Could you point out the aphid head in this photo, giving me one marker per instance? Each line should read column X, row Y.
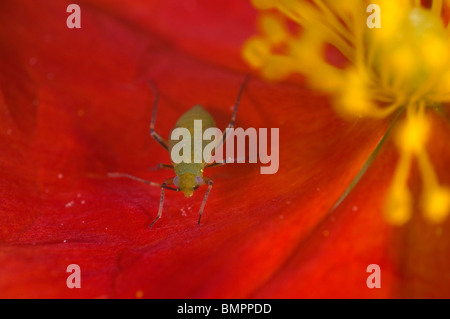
column 187, row 182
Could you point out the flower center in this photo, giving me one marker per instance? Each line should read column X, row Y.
column 403, row 65
column 411, row 54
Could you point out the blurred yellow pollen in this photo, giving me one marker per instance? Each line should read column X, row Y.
column 412, row 134
column 398, row 205
column 404, row 65
column 436, row 203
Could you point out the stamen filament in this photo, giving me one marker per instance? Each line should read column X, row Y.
column 333, row 21
column 307, row 16
column 399, row 202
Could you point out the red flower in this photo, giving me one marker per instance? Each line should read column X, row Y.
column 75, row 105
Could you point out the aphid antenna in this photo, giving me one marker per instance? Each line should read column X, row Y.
column 118, row 175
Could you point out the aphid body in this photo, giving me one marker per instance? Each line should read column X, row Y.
column 189, row 175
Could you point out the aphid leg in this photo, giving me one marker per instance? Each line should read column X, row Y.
column 230, row 160
column 214, row 164
column 161, row 200
column 233, row 116
column 208, row 181
column 153, row 133
column 236, row 105
column 233, row 119
column 163, row 186
column 161, row 165
column 115, row 175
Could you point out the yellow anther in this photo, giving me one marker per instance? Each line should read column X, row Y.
column 355, row 100
column 398, row 205
column 411, row 50
column 412, row 134
column 275, row 29
column 332, row 75
column 308, row 49
column 403, row 62
column 278, row 67
column 436, row 204
column 256, row 51
column 435, row 52
column 392, row 14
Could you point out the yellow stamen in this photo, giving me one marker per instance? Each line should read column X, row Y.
column 436, row 204
column 412, row 132
column 398, row 205
column 405, row 65
column 275, row 29
column 436, row 198
column 257, row 53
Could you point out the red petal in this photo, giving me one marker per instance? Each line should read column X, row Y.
column 75, row 105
